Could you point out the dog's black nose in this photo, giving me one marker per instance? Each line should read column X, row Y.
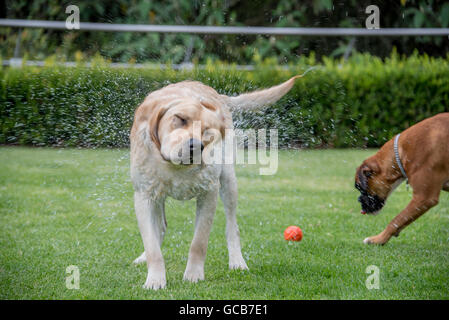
column 194, row 144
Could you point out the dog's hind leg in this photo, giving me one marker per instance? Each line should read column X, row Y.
column 140, row 259
column 228, row 194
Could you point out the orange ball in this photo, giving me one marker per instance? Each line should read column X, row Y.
column 293, row 233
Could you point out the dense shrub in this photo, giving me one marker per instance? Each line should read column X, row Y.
column 361, row 102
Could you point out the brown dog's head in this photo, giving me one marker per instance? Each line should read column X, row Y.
column 373, row 186
column 183, row 128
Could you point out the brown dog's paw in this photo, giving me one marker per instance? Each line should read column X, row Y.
column 375, row 240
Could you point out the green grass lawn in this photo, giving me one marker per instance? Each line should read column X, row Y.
column 62, row 207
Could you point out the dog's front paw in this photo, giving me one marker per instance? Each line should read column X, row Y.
column 238, row 264
column 375, row 240
column 155, row 281
column 194, row 274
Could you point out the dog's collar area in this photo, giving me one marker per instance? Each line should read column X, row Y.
column 398, row 159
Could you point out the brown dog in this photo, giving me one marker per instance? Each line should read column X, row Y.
column 422, row 158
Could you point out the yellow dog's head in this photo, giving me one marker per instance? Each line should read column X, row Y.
column 183, row 128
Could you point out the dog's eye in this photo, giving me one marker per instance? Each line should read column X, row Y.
column 368, row 173
column 180, row 120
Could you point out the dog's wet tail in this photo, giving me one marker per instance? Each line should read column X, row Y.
column 261, row 98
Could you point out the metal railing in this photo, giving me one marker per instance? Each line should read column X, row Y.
column 113, row 27
column 323, row 32
column 18, row 62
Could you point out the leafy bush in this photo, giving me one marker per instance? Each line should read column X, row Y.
column 178, row 48
column 357, row 103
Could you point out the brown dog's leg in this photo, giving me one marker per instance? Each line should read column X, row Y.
column 425, row 196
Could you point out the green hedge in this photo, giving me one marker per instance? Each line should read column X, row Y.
column 361, row 102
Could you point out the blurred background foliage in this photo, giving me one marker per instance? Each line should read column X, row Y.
column 37, row 44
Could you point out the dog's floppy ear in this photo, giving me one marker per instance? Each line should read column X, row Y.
column 156, row 115
column 214, row 108
column 370, row 167
column 208, row 105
